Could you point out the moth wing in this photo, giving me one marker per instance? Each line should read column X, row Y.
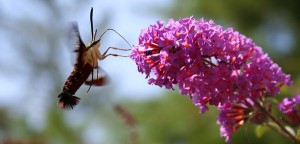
column 97, row 78
column 78, row 47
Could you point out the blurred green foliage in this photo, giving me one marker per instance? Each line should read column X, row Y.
column 173, row 119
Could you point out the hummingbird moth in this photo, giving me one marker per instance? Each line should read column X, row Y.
column 85, row 67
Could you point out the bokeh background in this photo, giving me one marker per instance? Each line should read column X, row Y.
column 36, row 58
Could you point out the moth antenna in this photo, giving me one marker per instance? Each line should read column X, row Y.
column 116, row 33
column 95, row 33
column 91, row 20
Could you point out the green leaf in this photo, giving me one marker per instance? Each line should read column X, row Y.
column 298, row 134
column 260, row 130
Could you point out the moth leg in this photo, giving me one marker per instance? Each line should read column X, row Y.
column 116, row 55
column 92, row 80
column 114, row 49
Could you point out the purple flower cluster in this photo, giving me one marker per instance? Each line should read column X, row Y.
column 232, row 116
column 209, row 64
column 291, row 107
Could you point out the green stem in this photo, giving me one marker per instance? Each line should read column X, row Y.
column 288, row 134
